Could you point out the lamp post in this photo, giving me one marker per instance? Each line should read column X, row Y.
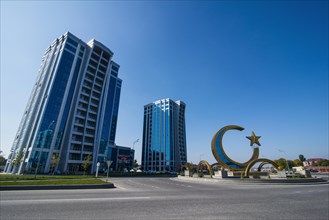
column 282, row 151
column 132, row 161
column 135, row 143
column 109, row 162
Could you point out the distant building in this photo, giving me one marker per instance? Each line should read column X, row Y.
column 312, row 165
column 312, row 161
column 122, row 158
column 322, row 169
column 72, row 111
column 164, row 136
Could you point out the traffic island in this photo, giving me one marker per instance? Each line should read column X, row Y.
column 49, row 182
column 292, row 181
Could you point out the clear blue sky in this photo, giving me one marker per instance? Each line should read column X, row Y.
column 262, row 65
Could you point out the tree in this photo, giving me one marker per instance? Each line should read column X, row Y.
column 290, row 164
column 322, row 163
column 298, row 163
column 135, row 164
column 19, row 158
column 283, row 163
column 54, row 162
column 190, row 166
column 3, row 160
column 86, row 163
column 302, row 158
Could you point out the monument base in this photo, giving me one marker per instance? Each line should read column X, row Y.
column 235, row 174
column 220, row 174
column 259, row 175
column 195, row 175
column 279, row 175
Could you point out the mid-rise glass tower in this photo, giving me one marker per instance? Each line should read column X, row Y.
column 72, row 111
column 164, row 136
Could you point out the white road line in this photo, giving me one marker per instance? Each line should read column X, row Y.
column 9, row 202
column 143, row 184
column 120, row 187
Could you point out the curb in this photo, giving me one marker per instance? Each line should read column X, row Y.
column 287, row 182
column 258, row 181
column 57, row 187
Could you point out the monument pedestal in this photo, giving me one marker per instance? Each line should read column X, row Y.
column 220, row 174
column 279, row 175
column 235, row 174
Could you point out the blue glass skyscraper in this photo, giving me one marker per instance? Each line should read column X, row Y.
column 72, row 111
column 164, row 136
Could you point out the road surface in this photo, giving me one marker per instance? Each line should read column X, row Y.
column 169, row 198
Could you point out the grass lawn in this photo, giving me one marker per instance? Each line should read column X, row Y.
column 52, row 182
column 20, row 180
column 13, row 177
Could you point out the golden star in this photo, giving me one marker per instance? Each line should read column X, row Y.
column 254, row 139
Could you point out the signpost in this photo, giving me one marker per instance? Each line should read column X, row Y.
column 97, row 167
column 109, row 162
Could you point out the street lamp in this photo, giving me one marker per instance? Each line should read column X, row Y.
column 135, row 143
column 109, row 162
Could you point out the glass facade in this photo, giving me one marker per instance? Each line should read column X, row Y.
column 108, row 110
column 164, row 145
column 65, row 115
column 55, row 98
column 119, row 155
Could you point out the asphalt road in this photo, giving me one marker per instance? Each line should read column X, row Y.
column 168, row 198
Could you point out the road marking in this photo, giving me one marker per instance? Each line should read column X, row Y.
column 9, row 202
column 120, row 187
column 143, row 184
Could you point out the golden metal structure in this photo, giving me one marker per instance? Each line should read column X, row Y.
column 215, row 164
column 254, row 139
column 220, row 155
column 262, row 164
column 208, row 167
column 263, row 160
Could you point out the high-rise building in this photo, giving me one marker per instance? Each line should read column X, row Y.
column 164, row 137
column 72, row 111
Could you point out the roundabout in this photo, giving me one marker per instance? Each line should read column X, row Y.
column 230, row 168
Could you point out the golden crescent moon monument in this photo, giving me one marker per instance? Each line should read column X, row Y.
column 224, row 160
